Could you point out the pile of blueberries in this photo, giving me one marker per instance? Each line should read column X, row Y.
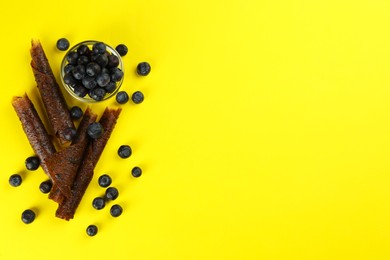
column 94, row 72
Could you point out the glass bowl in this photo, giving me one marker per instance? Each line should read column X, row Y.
column 70, row 88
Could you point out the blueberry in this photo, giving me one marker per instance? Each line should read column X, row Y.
column 95, row 130
column 69, row 133
column 143, row 68
column 97, row 94
column 76, row 112
column 32, row 163
column 116, row 74
column 92, row 230
column 104, row 181
column 137, row 97
column 89, row 82
column 113, row 61
column 111, row 193
column 136, row 172
column 63, row 44
column 83, row 50
column 72, row 57
column 103, row 79
column 94, row 57
column 28, row 216
column 93, row 69
column 121, row 49
column 15, row 180
column 116, row 210
column 46, row 186
column 122, row 97
column 124, row 151
column 68, row 68
column 98, row 203
column 69, row 79
column 83, row 60
column 78, row 72
column 99, row 47
column 105, row 70
column 107, row 53
column 110, row 87
column 80, row 90
column 102, row 60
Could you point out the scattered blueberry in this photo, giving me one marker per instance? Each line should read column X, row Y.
column 136, row 172
column 69, row 133
column 95, row 130
column 116, row 210
column 45, row 186
column 62, row 44
column 143, row 68
column 98, row 203
column 76, row 112
column 137, row 97
column 104, row 181
column 121, row 49
column 122, row 97
column 92, row 230
column 15, row 180
column 124, row 151
column 111, row 193
column 97, row 94
column 28, row 216
column 32, row 163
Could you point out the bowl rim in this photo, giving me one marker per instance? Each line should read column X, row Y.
column 69, row 89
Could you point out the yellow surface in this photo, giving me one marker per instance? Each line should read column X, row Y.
column 264, row 134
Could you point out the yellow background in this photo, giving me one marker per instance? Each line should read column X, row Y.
column 264, row 133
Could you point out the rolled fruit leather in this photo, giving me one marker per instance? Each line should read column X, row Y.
column 52, row 97
column 65, row 163
column 34, row 129
column 67, row 208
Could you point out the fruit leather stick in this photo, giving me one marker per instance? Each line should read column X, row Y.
column 34, row 129
column 67, row 208
column 53, row 100
column 65, row 163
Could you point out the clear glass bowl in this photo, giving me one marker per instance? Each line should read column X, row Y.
column 87, row 98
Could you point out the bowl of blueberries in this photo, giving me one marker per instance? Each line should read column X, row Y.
column 92, row 71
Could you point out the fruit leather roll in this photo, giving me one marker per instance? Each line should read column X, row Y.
column 67, row 208
column 53, row 100
column 65, row 163
column 34, row 129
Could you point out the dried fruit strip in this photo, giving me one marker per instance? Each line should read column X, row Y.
column 53, row 100
column 34, row 129
column 66, row 210
column 67, row 161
